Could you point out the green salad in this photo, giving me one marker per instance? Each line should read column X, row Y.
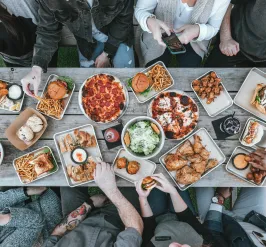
column 143, row 139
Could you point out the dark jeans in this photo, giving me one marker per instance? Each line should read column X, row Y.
column 159, row 201
column 218, row 59
column 226, row 231
column 190, row 59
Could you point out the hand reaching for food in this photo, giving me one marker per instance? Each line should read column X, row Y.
column 33, row 78
column 105, row 177
column 229, row 47
column 163, row 184
column 258, row 159
column 155, row 27
column 188, row 33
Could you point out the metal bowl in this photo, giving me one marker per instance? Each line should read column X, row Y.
column 125, row 105
column 156, row 150
column 2, row 153
column 149, row 111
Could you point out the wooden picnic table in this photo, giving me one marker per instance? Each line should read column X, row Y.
column 231, row 77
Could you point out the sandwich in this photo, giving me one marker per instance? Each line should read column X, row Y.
column 140, row 83
column 57, row 90
column 69, row 143
column 253, row 133
column 148, row 183
column 259, row 98
column 42, row 164
column 85, row 139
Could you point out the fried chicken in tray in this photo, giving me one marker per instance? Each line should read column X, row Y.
column 190, row 161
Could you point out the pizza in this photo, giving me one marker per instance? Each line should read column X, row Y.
column 103, row 98
column 178, row 114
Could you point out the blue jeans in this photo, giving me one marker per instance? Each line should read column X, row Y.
column 124, row 57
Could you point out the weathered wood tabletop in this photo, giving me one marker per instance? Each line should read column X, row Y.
column 232, row 79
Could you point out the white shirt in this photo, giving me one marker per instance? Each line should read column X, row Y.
column 145, row 8
column 98, row 35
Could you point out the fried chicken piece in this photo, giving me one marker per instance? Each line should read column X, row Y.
column 197, row 144
column 174, row 162
column 194, row 158
column 211, row 164
column 133, row 167
column 3, row 92
column 187, row 175
column 185, row 149
column 205, row 154
column 199, row 167
column 121, row 163
column 3, row 85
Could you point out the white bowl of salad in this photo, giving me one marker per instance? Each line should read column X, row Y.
column 1, row 153
column 143, row 137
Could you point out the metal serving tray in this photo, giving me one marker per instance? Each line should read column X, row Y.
column 211, row 146
column 65, row 157
column 147, row 167
column 240, row 173
column 149, row 112
column 261, row 142
column 20, row 100
column 246, row 91
column 124, row 109
column 46, row 174
column 51, row 78
column 220, row 104
column 141, row 98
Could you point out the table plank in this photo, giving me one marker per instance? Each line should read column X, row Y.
column 232, row 79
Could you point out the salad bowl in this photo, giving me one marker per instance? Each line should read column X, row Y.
column 145, row 143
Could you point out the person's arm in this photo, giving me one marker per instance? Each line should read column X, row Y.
column 200, row 32
column 120, row 28
column 14, row 197
column 228, row 45
column 105, row 178
column 48, row 36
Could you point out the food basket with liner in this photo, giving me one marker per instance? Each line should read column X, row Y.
column 66, row 101
column 161, row 136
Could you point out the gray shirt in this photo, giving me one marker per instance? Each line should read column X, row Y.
column 95, row 231
column 24, row 8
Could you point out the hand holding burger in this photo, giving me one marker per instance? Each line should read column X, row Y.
column 144, row 186
column 163, row 184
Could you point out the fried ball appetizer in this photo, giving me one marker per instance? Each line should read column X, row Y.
column 133, row 167
column 187, row 175
column 174, row 162
column 121, row 163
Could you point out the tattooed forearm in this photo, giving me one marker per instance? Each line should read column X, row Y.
column 72, row 220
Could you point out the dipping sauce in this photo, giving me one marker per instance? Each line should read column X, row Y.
column 79, row 155
column 15, row 92
column 241, row 161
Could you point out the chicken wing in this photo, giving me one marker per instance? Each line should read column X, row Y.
column 199, row 166
column 174, row 162
column 197, row 144
column 185, row 149
column 196, row 158
column 187, row 175
column 211, row 163
column 205, row 154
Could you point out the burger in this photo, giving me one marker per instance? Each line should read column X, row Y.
column 259, row 98
column 148, row 183
column 140, row 83
column 57, row 90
